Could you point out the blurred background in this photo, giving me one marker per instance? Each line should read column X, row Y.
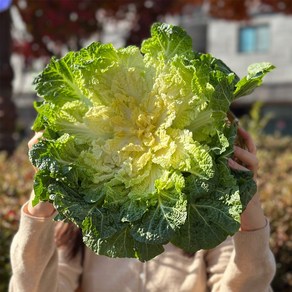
column 240, row 32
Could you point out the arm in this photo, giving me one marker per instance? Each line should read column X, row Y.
column 253, row 217
column 37, row 264
column 242, row 263
column 245, row 262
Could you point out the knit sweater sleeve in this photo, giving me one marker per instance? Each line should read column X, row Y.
column 37, row 264
column 243, row 263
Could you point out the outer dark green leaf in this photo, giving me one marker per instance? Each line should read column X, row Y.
column 254, row 79
column 145, row 251
column 119, row 245
column 161, row 221
column 212, row 214
column 247, row 186
column 207, row 225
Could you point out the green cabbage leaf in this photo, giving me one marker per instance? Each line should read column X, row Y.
column 136, row 143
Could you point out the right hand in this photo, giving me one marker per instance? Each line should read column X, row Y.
column 253, row 217
column 42, row 209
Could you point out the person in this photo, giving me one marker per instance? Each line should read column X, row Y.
column 244, row 262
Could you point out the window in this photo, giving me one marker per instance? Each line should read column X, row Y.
column 254, row 39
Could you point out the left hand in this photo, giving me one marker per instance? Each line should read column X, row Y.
column 42, row 209
column 245, row 159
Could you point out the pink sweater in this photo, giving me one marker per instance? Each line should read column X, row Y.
column 243, row 263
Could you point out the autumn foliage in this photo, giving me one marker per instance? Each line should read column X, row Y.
column 55, row 23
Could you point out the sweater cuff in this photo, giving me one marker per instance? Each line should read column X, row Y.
column 257, row 242
column 27, row 216
column 34, row 230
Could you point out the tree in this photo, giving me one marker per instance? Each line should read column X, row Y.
column 239, row 10
column 57, row 23
column 7, row 107
column 54, row 24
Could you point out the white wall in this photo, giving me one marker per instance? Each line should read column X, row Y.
column 223, row 44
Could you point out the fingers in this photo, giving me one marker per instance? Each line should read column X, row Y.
column 246, row 158
column 34, row 139
column 42, row 209
column 247, row 139
column 235, row 165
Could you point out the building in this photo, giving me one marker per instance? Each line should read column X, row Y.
column 266, row 37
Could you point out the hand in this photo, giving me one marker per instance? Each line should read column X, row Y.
column 245, row 159
column 42, row 209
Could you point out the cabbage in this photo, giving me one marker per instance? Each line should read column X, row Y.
column 136, row 143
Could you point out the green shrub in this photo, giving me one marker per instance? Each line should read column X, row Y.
column 275, row 187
